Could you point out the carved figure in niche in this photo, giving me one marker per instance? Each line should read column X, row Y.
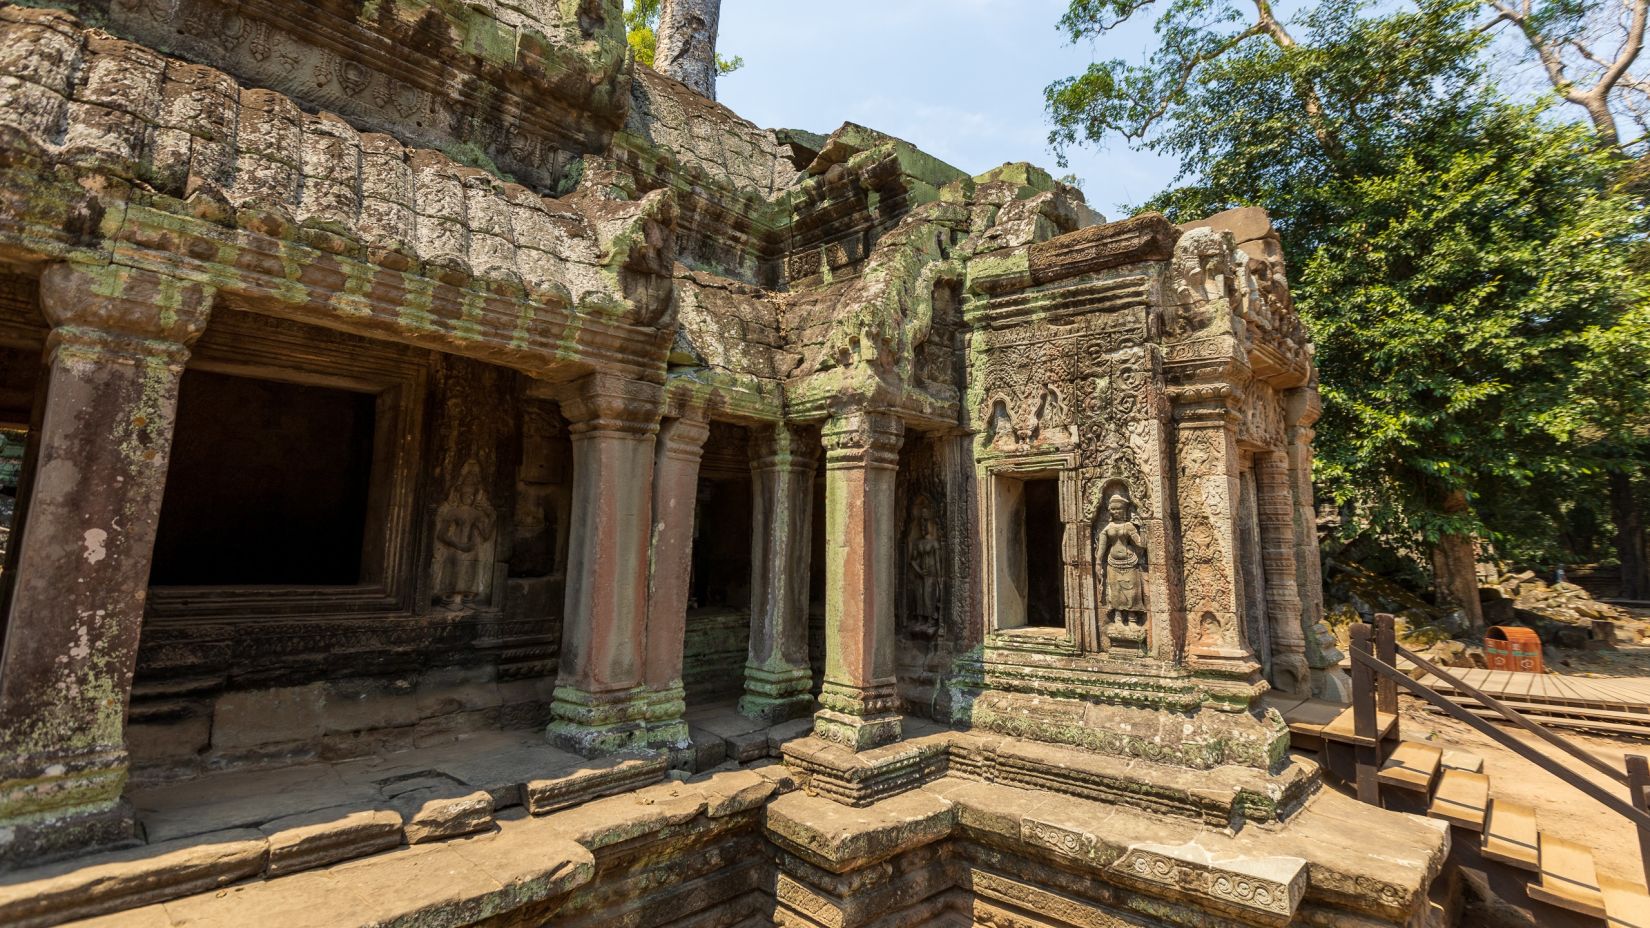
column 927, row 563
column 1122, row 556
column 1053, row 422
column 999, row 428
column 464, row 529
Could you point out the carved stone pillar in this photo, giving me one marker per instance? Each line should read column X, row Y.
column 601, row 702
column 1207, row 486
column 117, row 350
column 778, row 678
column 675, row 486
column 1329, row 681
column 1290, row 672
column 860, row 693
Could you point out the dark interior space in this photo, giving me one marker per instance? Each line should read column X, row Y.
column 721, row 576
column 268, row 484
column 1045, row 606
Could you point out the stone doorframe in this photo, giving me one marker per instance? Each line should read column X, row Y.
column 997, row 474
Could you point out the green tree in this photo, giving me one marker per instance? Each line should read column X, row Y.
column 1464, row 264
column 641, row 23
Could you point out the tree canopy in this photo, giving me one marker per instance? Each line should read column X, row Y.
column 1469, row 264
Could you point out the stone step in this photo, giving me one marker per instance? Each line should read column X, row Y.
column 1461, row 799
column 1510, row 835
column 1569, row 878
column 1626, row 904
column 1412, row 766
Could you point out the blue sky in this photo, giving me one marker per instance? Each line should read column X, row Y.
column 961, row 79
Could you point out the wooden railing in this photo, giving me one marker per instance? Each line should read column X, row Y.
column 1375, row 682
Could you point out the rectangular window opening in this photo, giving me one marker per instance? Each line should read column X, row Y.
column 268, row 485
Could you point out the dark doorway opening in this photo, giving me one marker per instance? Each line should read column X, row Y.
column 719, row 584
column 1045, row 600
column 268, row 484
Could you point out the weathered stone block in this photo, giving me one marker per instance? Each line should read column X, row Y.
column 103, row 883
column 437, row 813
column 316, row 839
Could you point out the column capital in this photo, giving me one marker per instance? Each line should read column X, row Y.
column 1205, row 404
column 605, row 403
column 865, row 439
column 780, row 446
column 1301, row 408
column 684, row 436
column 122, row 309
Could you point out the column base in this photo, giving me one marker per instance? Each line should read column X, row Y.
column 774, row 696
column 50, row 837
column 858, row 717
column 598, row 724
column 55, row 786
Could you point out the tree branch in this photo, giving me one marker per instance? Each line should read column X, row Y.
column 1316, row 113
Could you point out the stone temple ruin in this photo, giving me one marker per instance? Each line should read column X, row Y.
column 464, row 477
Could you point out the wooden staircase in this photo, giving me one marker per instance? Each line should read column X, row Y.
column 1501, row 839
column 1452, row 785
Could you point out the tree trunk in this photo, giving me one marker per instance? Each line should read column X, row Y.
column 1630, row 538
column 1455, row 568
column 686, row 47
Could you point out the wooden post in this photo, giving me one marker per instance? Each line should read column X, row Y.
column 1386, row 651
column 1638, row 780
column 1364, row 724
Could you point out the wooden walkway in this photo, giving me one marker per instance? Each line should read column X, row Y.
column 1611, row 704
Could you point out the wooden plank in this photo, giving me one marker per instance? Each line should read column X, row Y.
column 1569, row 879
column 1461, row 799
column 1458, row 759
column 1510, row 835
column 1341, row 729
column 1412, row 766
column 1626, row 905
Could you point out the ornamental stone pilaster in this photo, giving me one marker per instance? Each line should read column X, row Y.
column 778, row 676
column 1207, row 487
column 85, row 539
column 860, row 695
column 602, row 701
column 675, row 485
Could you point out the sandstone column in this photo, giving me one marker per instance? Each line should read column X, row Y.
column 675, row 485
column 778, row 678
column 116, row 354
column 1302, row 407
column 860, row 694
column 601, row 699
column 1276, row 502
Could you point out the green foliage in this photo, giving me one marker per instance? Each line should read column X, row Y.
column 641, row 23
column 1471, row 270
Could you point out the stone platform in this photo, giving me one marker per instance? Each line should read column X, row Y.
column 749, row 847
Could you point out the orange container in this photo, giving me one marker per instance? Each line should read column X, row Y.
column 1513, row 647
